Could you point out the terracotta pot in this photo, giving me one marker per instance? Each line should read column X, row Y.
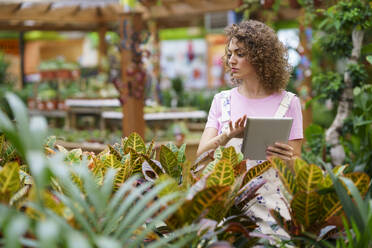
column 31, row 103
column 268, row 4
column 51, row 105
column 61, row 105
column 294, row 4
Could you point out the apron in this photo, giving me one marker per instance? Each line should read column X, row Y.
column 270, row 194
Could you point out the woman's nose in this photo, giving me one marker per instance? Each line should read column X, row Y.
column 232, row 59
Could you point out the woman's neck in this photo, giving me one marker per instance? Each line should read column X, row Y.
column 252, row 89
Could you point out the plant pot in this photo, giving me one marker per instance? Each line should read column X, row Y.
column 294, row 4
column 61, row 105
column 63, row 74
column 268, row 4
column 31, row 103
column 40, row 105
column 51, row 105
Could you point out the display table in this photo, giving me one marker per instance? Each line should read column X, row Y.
column 161, row 116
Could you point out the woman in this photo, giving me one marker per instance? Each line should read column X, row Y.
column 257, row 62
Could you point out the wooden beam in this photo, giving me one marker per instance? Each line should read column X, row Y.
column 133, row 121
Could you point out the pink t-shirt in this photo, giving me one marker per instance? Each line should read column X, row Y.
column 262, row 107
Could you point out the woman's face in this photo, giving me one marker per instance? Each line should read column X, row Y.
column 238, row 61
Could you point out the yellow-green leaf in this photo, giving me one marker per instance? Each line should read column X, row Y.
column 361, row 181
column 169, row 162
column 331, row 206
column 285, row 174
column 229, row 153
column 256, row 171
column 115, row 152
column 136, row 143
column 122, row 174
column 111, row 161
column 205, row 199
column 222, row 175
column 10, row 181
column 308, row 178
column 306, row 208
column 298, row 165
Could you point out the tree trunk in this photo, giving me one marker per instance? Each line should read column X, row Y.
column 345, row 104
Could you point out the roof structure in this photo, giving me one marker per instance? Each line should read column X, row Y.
column 89, row 15
column 57, row 14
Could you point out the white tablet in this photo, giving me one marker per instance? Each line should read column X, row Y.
column 261, row 132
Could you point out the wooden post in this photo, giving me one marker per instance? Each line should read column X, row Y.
column 155, row 58
column 131, row 69
column 305, row 87
column 102, row 46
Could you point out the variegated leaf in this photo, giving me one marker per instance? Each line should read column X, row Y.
column 218, row 153
column 285, row 174
column 122, row 174
column 110, row 161
column 256, row 171
column 327, row 182
column 361, row 181
column 205, row 199
column 171, row 187
column 172, row 147
column 10, row 181
column 150, row 148
column 331, row 206
column 230, row 154
column 114, row 152
column 136, row 161
column 308, row 178
column 222, row 175
column 155, row 165
column 181, row 157
column 169, row 162
column 209, row 168
column 298, row 165
column 306, row 208
column 136, row 143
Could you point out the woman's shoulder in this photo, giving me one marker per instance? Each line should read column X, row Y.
column 223, row 93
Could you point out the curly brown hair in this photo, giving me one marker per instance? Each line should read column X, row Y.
column 264, row 51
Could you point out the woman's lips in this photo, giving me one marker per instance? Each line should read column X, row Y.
column 234, row 70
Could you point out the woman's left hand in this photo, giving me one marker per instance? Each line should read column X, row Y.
column 281, row 150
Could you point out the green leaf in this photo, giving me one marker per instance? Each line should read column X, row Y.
column 169, row 162
column 181, row 154
column 154, row 165
column 369, row 59
column 136, row 143
column 222, row 175
column 229, row 153
column 331, row 206
column 285, row 174
column 305, row 207
column 9, row 181
column 361, row 181
column 114, row 152
column 218, row 153
column 298, row 165
column 256, row 171
column 136, row 161
column 308, row 178
column 203, row 200
column 110, row 161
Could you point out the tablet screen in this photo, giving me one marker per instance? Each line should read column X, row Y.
column 259, row 133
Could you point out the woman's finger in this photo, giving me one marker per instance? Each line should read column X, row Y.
column 284, row 146
column 271, row 154
column 280, row 151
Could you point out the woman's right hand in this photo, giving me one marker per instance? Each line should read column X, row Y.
column 237, row 129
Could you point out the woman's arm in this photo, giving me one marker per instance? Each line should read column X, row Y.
column 285, row 151
column 211, row 140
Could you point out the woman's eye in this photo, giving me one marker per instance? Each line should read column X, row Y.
column 228, row 55
column 240, row 55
